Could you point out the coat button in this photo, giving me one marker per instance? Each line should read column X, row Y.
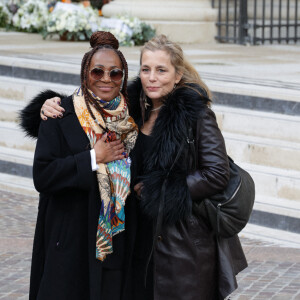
column 159, row 238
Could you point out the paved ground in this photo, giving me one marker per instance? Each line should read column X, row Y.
column 273, row 272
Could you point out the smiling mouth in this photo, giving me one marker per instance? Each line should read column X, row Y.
column 105, row 88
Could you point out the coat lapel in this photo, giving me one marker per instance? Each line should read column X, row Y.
column 72, row 130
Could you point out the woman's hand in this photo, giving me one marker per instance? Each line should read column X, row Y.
column 107, row 152
column 138, row 188
column 51, row 108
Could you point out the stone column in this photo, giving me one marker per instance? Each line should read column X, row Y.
column 183, row 21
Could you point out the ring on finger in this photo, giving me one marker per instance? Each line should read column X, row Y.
column 42, row 111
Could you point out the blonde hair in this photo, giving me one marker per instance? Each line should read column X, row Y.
column 181, row 65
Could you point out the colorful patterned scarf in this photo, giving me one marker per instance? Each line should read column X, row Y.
column 113, row 177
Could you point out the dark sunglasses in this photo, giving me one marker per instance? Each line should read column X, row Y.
column 98, row 74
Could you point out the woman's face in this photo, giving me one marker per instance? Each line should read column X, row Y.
column 105, row 88
column 157, row 73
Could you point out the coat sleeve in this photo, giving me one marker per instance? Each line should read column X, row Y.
column 30, row 115
column 212, row 173
column 53, row 172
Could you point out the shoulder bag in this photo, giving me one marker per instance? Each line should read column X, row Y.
column 228, row 211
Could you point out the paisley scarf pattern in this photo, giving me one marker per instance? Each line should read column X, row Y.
column 113, row 177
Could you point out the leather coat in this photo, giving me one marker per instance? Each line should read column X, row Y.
column 187, row 260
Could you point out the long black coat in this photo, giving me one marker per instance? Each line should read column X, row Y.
column 64, row 264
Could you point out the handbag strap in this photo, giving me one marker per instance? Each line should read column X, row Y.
column 192, row 148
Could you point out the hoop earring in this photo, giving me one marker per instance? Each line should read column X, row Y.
column 144, row 101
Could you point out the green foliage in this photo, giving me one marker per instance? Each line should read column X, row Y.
column 97, row 4
column 5, row 15
column 146, row 34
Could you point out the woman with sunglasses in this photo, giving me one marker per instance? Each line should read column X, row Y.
column 82, row 171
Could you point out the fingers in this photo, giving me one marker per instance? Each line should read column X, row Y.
column 55, row 100
column 48, row 111
column 138, row 188
column 116, row 143
column 118, row 148
column 55, row 103
column 52, row 109
column 103, row 138
column 115, row 146
column 107, row 152
column 43, row 117
column 117, row 154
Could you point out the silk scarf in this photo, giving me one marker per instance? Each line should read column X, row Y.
column 113, row 177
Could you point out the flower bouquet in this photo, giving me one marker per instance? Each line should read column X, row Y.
column 130, row 31
column 31, row 16
column 72, row 22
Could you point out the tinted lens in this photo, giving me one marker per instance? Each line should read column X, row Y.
column 97, row 73
column 116, row 75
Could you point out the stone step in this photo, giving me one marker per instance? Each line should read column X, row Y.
column 228, row 87
column 256, row 123
column 17, row 156
column 263, row 151
column 272, row 236
column 285, row 212
column 289, row 208
column 12, row 136
column 17, row 184
column 274, row 182
column 19, row 89
column 9, row 109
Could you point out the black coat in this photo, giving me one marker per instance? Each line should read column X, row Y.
column 64, row 264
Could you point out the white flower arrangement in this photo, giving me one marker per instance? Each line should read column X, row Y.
column 31, row 16
column 5, row 14
column 130, row 31
column 72, row 22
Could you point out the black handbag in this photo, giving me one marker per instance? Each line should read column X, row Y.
column 228, row 211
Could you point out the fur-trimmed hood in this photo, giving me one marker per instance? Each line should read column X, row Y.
column 181, row 110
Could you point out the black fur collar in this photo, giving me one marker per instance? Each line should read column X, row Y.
column 180, row 112
column 30, row 115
